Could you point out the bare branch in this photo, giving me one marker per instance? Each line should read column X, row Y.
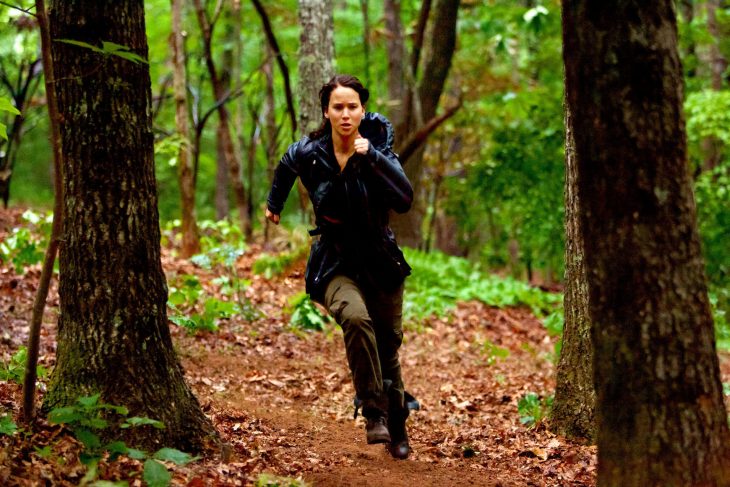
column 418, row 138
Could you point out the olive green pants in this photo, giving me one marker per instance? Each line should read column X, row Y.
column 371, row 321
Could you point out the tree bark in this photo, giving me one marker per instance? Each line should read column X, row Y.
column 113, row 335
column 316, row 51
column 272, row 130
column 396, row 64
column 190, row 239
column 365, row 8
column 220, row 93
column 660, row 413
column 407, row 226
column 575, row 397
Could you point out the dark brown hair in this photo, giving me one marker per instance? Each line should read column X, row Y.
column 347, row 81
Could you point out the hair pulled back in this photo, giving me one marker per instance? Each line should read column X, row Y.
column 347, row 81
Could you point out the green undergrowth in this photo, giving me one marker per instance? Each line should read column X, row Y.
column 439, row 281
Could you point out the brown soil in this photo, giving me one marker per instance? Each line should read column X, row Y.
column 282, row 399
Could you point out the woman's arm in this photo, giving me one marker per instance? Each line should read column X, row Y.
column 388, row 170
column 284, row 177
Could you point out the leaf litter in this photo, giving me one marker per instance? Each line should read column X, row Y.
column 282, row 399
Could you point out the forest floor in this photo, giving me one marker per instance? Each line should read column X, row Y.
column 282, row 398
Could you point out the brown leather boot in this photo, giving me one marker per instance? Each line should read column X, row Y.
column 398, row 447
column 377, row 430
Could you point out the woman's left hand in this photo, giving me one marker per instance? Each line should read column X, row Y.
column 361, row 145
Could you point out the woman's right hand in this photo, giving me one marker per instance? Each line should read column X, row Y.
column 272, row 217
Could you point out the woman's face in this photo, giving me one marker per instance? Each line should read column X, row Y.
column 344, row 111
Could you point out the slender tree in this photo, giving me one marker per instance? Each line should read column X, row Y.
column 437, row 64
column 660, row 413
column 39, row 304
column 575, row 397
column 395, row 44
column 221, row 93
column 113, row 336
column 190, row 239
column 712, row 147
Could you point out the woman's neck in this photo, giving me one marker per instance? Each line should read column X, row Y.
column 343, row 145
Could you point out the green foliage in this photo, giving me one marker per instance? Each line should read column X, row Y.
column 304, row 314
column 492, row 352
column 108, row 49
column 24, row 247
column 273, row 265
column 720, row 303
column 712, row 190
column 6, row 106
column 14, row 370
column 7, row 425
column 270, row 480
column 188, row 295
column 708, row 115
column 88, row 418
column 533, row 409
column 439, row 281
column 21, row 248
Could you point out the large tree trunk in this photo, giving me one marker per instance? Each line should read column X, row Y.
column 316, row 50
column 661, row 417
column 575, row 396
column 190, row 240
column 407, row 226
column 113, row 335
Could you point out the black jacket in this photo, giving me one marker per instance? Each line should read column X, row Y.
column 351, row 207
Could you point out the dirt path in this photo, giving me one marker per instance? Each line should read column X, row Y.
column 284, row 401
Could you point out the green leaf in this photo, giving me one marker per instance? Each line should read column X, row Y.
column 95, row 423
column 88, row 439
column 142, row 421
column 81, row 44
column 66, row 415
column 156, row 474
column 136, row 454
column 44, row 452
column 89, row 401
column 7, row 106
column 175, row 456
column 7, row 425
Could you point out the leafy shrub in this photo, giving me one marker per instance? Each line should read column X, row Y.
column 7, row 425
column 533, row 409
column 273, row 265
column 189, row 295
column 88, row 418
column 440, row 281
column 14, row 370
column 304, row 314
